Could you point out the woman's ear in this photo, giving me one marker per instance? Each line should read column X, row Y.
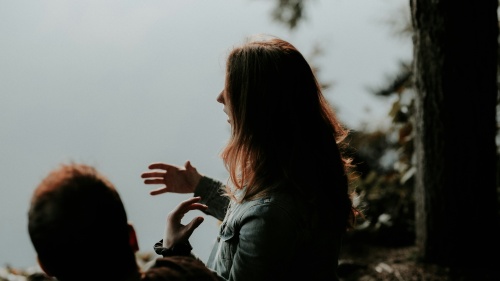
column 132, row 238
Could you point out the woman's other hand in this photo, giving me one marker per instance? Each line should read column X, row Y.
column 175, row 231
column 176, row 179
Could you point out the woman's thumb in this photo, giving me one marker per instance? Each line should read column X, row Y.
column 194, row 224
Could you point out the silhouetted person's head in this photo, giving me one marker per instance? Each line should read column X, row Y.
column 79, row 228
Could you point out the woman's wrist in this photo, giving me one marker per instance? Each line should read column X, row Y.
column 179, row 249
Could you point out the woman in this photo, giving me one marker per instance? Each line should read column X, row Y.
column 286, row 204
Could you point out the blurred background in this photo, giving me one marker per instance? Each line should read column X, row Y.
column 122, row 84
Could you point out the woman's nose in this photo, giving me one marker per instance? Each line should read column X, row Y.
column 220, row 97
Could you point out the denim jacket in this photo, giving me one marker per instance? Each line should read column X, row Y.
column 268, row 238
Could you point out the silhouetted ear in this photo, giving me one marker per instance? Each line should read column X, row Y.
column 132, row 238
column 43, row 267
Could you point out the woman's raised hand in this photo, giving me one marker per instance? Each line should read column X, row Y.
column 176, row 179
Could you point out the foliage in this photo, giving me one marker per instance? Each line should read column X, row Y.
column 289, row 12
column 385, row 169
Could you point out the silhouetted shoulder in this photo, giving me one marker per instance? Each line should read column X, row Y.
column 179, row 268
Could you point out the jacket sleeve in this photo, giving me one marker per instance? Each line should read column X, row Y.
column 181, row 249
column 210, row 191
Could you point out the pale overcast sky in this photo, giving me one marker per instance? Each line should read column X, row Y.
column 121, row 84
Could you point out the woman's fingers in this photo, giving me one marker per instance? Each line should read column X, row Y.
column 188, row 165
column 191, row 226
column 175, row 179
column 190, row 204
column 155, row 174
column 197, row 206
column 186, row 206
column 156, row 177
column 154, row 181
column 161, row 166
column 157, row 191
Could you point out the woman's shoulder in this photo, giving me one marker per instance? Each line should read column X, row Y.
column 273, row 203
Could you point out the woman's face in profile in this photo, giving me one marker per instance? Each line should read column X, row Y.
column 222, row 98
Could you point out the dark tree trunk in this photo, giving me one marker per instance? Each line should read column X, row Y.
column 455, row 70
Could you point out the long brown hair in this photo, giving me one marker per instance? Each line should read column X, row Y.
column 284, row 132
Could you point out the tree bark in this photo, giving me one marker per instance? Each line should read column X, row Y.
column 455, row 72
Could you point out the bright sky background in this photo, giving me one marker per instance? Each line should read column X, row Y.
column 121, row 84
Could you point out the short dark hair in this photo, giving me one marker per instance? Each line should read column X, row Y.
column 75, row 213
